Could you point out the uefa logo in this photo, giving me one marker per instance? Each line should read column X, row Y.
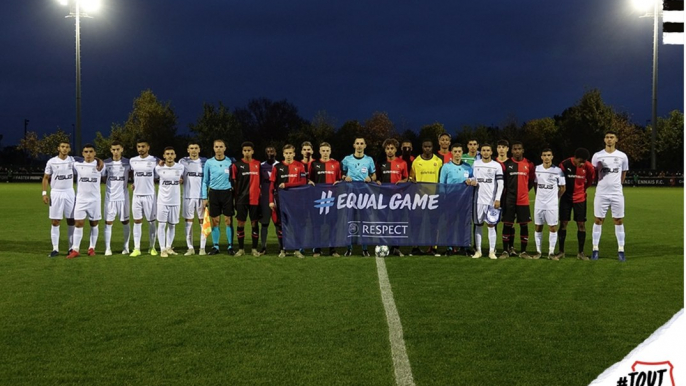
column 353, row 228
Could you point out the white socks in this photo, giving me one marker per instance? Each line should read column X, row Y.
column 55, row 237
column 597, row 230
column 152, row 231
column 477, row 236
column 70, row 232
column 94, row 236
column 137, row 233
column 78, row 235
column 619, row 232
column 552, row 241
column 161, row 228
column 189, row 234
column 127, row 231
column 492, row 238
column 538, row 237
column 171, row 231
column 108, row 236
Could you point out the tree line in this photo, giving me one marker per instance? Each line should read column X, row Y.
column 274, row 123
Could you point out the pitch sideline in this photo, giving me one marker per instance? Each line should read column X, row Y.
column 401, row 363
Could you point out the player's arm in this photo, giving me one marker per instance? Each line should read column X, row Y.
column 590, row 174
column 561, row 191
column 372, row 177
column 205, row 182
column 272, row 187
column 46, row 183
column 532, row 175
column 443, row 176
column 413, row 174
column 499, row 191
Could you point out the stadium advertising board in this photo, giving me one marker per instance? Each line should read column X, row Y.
column 360, row 213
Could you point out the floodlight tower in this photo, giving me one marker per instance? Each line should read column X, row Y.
column 77, row 10
column 645, row 5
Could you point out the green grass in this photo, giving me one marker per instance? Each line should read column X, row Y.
column 225, row 320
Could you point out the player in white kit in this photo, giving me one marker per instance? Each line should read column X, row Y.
column 549, row 186
column 611, row 166
column 59, row 173
column 192, row 195
column 87, row 204
column 168, row 200
column 143, row 203
column 488, row 177
column 116, row 177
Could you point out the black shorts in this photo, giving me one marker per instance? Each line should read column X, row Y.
column 221, row 202
column 566, row 207
column 512, row 211
column 245, row 210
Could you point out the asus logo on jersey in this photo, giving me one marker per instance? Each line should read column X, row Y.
column 143, row 174
column 170, row 182
column 194, row 174
column 86, row 179
column 544, row 186
column 121, row 178
column 67, row 177
column 610, row 170
column 485, row 180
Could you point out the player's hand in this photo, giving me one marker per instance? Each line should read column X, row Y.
column 496, row 204
column 46, row 199
column 335, row 182
column 99, row 164
column 309, row 182
column 348, row 179
column 160, row 162
column 367, row 179
column 272, row 206
column 378, row 182
column 204, row 203
column 282, row 185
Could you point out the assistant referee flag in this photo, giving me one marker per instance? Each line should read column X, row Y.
column 206, row 223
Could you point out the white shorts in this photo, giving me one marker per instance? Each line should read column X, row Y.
column 61, row 204
column 191, row 207
column 114, row 208
column 168, row 213
column 143, row 205
column 546, row 217
column 480, row 214
column 614, row 202
column 87, row 210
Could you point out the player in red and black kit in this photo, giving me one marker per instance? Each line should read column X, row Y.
column 502, row 148
column 307, row 151
column 519, row 179
column 246, row 181
column 325, row 171
column 579, row 175
column 392, row 171
column 287, row 174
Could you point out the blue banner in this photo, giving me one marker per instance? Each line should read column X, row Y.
column 409, row 214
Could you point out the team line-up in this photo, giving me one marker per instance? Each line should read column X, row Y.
column 248, row 188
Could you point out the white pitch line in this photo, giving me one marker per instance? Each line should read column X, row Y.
column 401, row 363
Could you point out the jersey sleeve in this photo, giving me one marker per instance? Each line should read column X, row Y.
column 205, row 180
column 590, row 174
column 344, row 166
column 48, row 168
column 372, row 166
column 561, row 180
column 272, row 184
column 625, row 163
column 443, row 176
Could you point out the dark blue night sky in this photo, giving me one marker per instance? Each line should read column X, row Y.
column 459, row 63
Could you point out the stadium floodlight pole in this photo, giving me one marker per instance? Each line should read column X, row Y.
column 77, row 13
column 643, row 5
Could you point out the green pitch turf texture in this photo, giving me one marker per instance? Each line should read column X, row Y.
column 320, row 321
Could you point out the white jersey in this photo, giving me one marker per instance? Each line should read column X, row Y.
column 548, row 182
column 192, row 176
column 489, row 176
column 609, row 168
column 143, row 175
column 87, row 181
column 170, row 188
column 61, row 172
column 116, row 174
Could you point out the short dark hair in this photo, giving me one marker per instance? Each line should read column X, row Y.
column 193, row 143
column 360, row 137
column 219, row 140
column 546, row 150
column 503, row 142
column 427, row 140
column 115, row 143
column 87, row 146
column 391, row 141
column 517, row 143
column 170, row 148
column 582, row 153
column 612, row 132
column 247, row 144
column 444, row 134
column 483, row 145
column 456, row 144
column 142, row 140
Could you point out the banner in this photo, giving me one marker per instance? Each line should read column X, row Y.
column 409, row 214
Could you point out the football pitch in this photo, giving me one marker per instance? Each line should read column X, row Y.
column 196, row 320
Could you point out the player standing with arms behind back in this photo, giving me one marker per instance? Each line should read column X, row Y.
column 192, row 195
column 579, row 176
column 246, row 179
column 519, row 179
column 611, row 166
column 266, row 214
column 143, row 203
column 488, row 177
column 87, row 200
column 59, row 173
column 217, row 191
column 116, row 176
column 168, row 200
column 550, row 184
